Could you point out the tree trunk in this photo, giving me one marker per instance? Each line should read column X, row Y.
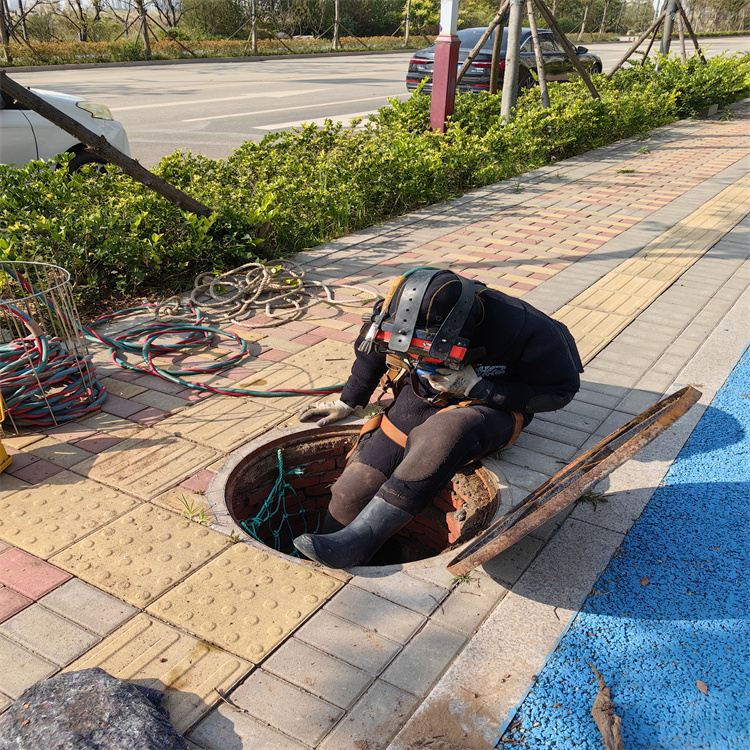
column 583, row 23
column 336, row 21
column 4, row 41
column 539, row 57
column 407, row 28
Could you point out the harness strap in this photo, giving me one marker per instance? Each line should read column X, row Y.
column 397, row 436
column 392, row 432
column 517, row 427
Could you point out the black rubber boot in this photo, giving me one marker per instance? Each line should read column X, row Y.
column 359, row 541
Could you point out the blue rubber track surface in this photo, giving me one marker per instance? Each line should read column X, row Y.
column 671, row 609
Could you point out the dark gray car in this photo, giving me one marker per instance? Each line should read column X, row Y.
column 477, row 78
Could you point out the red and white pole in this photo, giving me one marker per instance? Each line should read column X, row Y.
column 445, row 67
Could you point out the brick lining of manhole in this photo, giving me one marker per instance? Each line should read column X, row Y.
column 463, row 508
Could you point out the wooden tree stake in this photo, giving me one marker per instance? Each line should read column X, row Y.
column 572, row 56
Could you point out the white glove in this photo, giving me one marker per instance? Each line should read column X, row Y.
column 453, row 381
column 330, row 411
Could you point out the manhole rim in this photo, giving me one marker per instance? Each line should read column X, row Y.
column 275, row 438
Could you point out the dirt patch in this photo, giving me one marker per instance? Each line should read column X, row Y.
column 439, row 729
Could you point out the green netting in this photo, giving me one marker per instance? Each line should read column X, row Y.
column 275, row 513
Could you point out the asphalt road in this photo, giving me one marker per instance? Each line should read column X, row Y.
column 212, row 107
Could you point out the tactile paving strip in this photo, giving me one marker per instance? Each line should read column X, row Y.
column 598, row 314
column 155, row 655
column 223, row 422
column 283, row 376
column 147, row 466
column 246, row 601
column 48, row 517
column 330, row 357
column 141, row 555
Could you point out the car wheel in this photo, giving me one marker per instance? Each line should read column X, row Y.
column 79, row 160
column 597, row 68
column 525, row 82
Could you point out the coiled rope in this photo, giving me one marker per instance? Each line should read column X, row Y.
column 280, row 290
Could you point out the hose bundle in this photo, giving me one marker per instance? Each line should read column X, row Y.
column 41, row 381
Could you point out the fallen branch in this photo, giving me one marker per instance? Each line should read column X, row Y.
column 603, row 712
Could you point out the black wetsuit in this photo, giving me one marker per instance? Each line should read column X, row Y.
column 528, row 363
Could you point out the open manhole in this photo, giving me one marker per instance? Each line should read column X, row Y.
column 464, row 508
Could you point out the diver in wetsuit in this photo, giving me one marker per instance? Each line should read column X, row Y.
column 476, row 366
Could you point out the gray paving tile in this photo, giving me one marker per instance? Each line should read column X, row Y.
column 469, row 603
column 529, row 459
column 560, row 434
column 375, row 613
column 597, row 398
column 360, row 647
column 88, row 606
column 284, row 706
column 419, row 666
column 510, row 565
column 20, row 669
column 420, row 596
column 318, row 673
column 56, row 639
column 373, row 721
column 226, row 728
column 523, row 477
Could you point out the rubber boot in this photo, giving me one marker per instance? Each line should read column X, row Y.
column 330, row 524
column 359, row 541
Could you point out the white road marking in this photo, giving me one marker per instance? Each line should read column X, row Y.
column 286, row 109
column 192, row 102
column 343, row 119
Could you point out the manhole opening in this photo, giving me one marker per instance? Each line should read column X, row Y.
column 461, row 510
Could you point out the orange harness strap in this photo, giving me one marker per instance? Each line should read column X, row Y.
column 397, row 436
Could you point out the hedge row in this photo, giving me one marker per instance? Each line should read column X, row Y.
column 71, row 53
column 299, row 188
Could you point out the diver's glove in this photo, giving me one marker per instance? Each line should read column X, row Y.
column 453, row 381
column 329, row 411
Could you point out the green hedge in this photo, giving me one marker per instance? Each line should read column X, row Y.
column 300, row 188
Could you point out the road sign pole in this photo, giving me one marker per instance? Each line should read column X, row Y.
column 445, row 67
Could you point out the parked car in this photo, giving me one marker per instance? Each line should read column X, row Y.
column 25, row 135
column 557, row 66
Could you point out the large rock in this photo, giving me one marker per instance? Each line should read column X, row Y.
column 88, row 710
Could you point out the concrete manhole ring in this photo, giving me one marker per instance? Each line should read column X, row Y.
column 464, row 508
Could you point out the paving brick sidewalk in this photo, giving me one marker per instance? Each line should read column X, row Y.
column 641, row 247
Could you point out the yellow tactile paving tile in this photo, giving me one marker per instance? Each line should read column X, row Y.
column 147, row 467
column 46, row 518
column 283, row 376
column 645, row 269
column 598, row 314
column 142, row 554
column 223, row 422
column 246, row 601
column 329, row 357
column 152, row 654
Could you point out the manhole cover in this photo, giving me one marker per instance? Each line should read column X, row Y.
column 463, row 509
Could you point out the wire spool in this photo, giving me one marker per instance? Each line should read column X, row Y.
column 46, row 373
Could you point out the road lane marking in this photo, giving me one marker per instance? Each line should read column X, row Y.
column 344, row 120
column 190, row 103
column 287, row 109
